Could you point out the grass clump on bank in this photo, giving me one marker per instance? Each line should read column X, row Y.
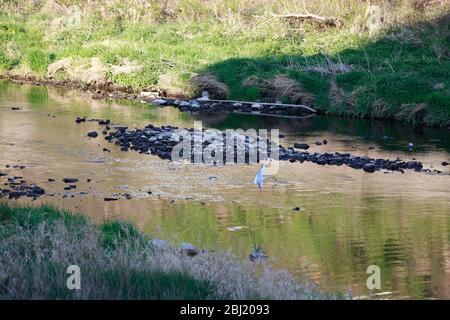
column 391, row 62
column 116, row 261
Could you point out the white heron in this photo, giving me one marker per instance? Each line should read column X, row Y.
column 260, row 176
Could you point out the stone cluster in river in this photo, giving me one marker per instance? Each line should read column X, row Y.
column 160, row 141
column 16, row 187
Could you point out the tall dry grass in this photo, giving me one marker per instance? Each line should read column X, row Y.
column 118, row 262
column 242, row 13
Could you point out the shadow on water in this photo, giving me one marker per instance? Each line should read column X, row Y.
column 388, row 78
column 390, row 136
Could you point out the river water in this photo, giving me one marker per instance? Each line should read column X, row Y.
column 348, row 219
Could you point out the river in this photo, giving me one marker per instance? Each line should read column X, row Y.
column 348, row 219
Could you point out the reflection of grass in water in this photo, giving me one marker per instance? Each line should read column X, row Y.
column 37, row 96
column 338, row 235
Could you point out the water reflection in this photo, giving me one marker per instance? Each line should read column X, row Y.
column 348, row 219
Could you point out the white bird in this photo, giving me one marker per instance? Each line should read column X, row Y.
column 410, row 146
column 260, row 177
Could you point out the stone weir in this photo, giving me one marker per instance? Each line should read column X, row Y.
column 263, row 108
column 205, row 145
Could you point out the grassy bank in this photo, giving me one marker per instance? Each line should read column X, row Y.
column 392, row 62
column 116, row 261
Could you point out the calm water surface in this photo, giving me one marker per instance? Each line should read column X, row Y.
column 348, row 220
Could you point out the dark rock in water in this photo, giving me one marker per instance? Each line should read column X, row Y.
column 296, row 209
column 37, row 190
column 160, row 141
column 106, row 150
column 445, row 163
column 15, row 108
column 257, row 254
column 79, row 120
column 369, row 167
column 70, row 180
column 104, row 122
column 188, row 249
column 371, row 148
column 281, row 136
column 93, row 134
column 318, row 143
column 88, row 180
column 51, row 180
column 303, row 146
column 3, row 174
column 110, row 199
column 67, row 188
column 325, row 141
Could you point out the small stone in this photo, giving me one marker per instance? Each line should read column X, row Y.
column 70, row 180
column 110, row 199
column 93, row 134
column 303, row 146
column 159, row 102
column 369, row 167
column 445, row 163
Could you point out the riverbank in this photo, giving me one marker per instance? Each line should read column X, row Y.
column 396, row 69
column 119, row 262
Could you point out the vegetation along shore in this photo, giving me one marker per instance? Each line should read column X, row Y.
column 371, row 59
column 116, row 261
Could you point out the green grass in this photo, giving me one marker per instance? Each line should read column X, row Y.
column 390, row 73
column 117, row 261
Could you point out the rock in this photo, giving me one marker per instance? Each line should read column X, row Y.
column 194, row 104
column 15, row 108
column 204, row 97
column 93, row 134
column 369, row 167
column 79, row 120
column 281, row 136
column 445, row 163
column 70, row 180
column 303, row 146
column 296, row 209
column 110, row 199
column 318, row 143
column 325, row 141
column 188, row 248
column 3, row 174
column 257, row 254
column 256, row 106
column 159, row 102
column 51, row 180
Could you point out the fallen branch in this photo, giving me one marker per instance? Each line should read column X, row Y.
column 300, row 106
column 330, row 21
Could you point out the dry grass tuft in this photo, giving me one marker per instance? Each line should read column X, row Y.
column 208, row 82
column 281, row 87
